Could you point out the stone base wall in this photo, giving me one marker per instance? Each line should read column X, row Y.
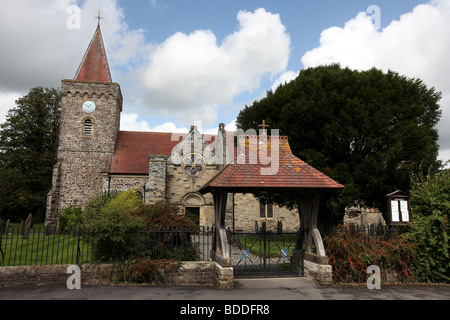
column 318, row 269
column 198, row 273
column 195, row 273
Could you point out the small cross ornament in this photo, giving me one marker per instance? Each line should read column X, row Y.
column 99, row 17
column 264, row 125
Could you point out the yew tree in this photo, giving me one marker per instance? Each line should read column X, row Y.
column 28, row 147
column 368, row 130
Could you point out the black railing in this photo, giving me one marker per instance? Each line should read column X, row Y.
column 381, row 232
column 81, row 245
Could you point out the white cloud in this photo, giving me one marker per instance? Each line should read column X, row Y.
column 416, row 46
column 7, row 102
column 169, row 127
column 190, row 75
column 284, row 78
column 131, row 122
column 39, row 49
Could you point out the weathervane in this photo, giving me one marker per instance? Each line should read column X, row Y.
column 99, row 16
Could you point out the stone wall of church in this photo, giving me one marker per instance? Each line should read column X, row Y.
column 180, row 184
column 124, row 182
column 247, row 215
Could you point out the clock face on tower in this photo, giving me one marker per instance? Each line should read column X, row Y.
column 89, row 107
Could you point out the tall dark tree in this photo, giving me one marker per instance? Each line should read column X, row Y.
column 366, row 129
column 28, row 146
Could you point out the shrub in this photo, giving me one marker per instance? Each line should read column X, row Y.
column 430, row 225
column 145, row 271
column 164, row 214
column 351, row 252
column 169, row 234
column 127, row 200
column 113, row 225
column 71, row 218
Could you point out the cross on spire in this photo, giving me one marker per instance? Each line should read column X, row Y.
column 99, row 17
column 264, row 125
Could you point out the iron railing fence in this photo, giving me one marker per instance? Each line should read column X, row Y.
column 380, row 232
column 81, row 245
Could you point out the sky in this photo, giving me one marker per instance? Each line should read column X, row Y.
column 181, row 63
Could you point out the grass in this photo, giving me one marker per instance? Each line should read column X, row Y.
column 270, row 247
column 41, row 249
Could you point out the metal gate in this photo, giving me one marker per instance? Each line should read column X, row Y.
column 265, row 254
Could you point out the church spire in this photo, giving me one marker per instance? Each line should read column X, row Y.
column 94, row 66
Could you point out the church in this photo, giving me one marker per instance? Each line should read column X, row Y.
column 95, row 156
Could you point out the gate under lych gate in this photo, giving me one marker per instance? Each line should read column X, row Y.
column 265, row 254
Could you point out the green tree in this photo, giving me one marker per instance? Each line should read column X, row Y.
column 366, row 129
column 28, row 145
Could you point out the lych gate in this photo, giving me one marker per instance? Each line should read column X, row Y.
column 283, row 173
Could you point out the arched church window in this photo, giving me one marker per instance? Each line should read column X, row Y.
column 193, row 164
column 87, row 128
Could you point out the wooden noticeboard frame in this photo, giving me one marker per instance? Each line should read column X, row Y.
column 399, row 208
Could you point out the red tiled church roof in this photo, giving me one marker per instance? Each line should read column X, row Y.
column 94, row 66
column 134, row 148
column 291, row 172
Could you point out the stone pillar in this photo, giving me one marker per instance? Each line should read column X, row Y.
column 221, row 147
column 156, row 186
column 53, row 197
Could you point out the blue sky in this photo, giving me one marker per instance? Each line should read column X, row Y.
column 304, row 22
column 199, row 62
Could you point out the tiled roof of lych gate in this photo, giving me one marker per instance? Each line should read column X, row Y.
column 94, row 66
column 291, row 172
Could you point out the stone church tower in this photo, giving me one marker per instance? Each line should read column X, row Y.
column 90, row 120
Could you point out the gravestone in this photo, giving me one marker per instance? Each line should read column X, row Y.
column 27, row 226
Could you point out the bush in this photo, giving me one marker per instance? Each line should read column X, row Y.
column 351, row 252
column 430, row 225
column 113, row 225
column 164, row 214
column 71, row 218
column 170, row 235
column 145, row 271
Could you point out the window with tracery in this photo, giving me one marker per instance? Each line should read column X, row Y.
column 193, row 164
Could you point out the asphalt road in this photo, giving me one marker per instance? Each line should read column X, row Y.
column 254, row 299
column 282, row 289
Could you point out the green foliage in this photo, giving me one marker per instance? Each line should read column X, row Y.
column 28, row 145
column 15, row 201
column 117, row 223
column 174, row 241
column 350, row 252
column 164, row 214
column 366, row 129
column 429, row 229
column 128, row 200
column 72, row 217
column 113, row 225
column 145, row 271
